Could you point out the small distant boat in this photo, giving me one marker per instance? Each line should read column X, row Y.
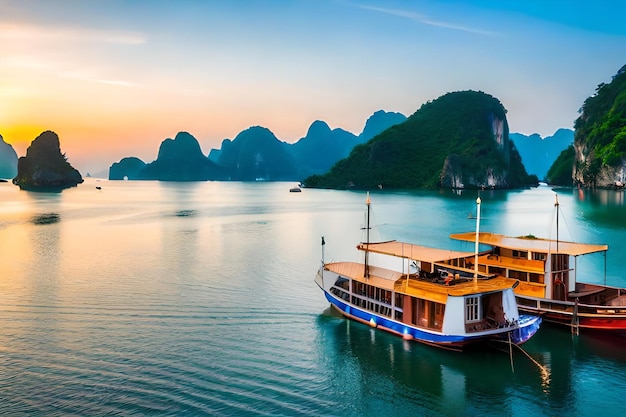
column 295, row 189
column 98, row 187
column 431, row 295
column 549, row 281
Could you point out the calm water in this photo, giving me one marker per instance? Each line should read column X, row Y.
column 149, row 298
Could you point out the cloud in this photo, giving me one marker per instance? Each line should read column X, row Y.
column 426, row 20
column 18, row 31
column 57, row 51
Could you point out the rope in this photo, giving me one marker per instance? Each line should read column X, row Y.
column 511, row 351
column 543, row 369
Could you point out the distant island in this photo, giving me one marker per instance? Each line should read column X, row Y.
column 45, row 168
column 460, row 140
column 539, row 154
column 254, row 155
column 179, row 159
column 8, row 160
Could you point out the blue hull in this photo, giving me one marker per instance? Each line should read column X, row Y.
column 528, row 327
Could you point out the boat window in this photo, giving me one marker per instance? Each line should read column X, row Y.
column 520, row 254
column 472, row 309
column 341, row 294
column 399, row 300
column 343, row 283
column 522, row 276
column 497, row 271
column 371, row 298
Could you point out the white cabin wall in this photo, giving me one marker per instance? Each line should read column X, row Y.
column 455, row 308
column 509, row 305
column 329, row 279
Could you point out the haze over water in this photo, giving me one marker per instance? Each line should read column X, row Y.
column 198, row 298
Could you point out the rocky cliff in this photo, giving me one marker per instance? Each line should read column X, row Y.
column 181, row 159
column 256, row 154
column 460, row 140
column 128, row 168
column 8, row 160
column 45, row 168
column 538, row 154
column 600, row 136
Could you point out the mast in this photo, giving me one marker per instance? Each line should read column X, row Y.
column 556, row 204
column 366, row 273
column 477, row 234
column 323, row 262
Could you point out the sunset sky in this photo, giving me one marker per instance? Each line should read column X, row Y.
column 114, row 78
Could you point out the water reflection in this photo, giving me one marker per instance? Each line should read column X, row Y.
column 46, row 218
column 185, row 213
column 600, row 197
column 467, row 383
column 449, row 383
column 604, row 207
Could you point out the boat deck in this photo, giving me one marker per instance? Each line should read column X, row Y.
column 417, row 287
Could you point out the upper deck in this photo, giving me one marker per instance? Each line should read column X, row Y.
column 531, row 244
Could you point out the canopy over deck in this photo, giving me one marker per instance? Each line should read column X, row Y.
column 414, row 252
column 531, row 244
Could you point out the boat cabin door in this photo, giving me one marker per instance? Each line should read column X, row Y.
column 560, row 277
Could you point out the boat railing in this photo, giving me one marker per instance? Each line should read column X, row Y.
column 570, row 306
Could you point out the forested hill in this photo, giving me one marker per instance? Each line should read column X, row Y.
column 600, row 135
column 460, row 140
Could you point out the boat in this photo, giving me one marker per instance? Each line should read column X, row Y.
column 549, row 283
column 295, row 189
column 425, row 294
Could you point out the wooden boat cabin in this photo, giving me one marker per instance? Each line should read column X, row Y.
column 549, row 281
column 435, row 301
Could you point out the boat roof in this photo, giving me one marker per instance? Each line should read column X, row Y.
column 394, row 280
column 531, row 244
column 379, row 277
column 411, row 251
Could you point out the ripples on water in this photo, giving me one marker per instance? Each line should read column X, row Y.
column 187, row 299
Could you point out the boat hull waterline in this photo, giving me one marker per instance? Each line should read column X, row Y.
column 590, row 317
